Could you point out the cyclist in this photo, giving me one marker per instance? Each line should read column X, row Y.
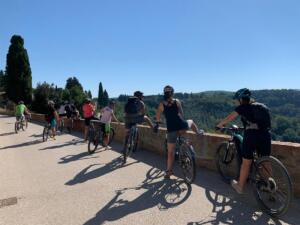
column 176, row 124
column 52, row 117
column 107, row 115
column 257, row 123
column 88, row 109
column 21, row 110
column 135, row 114
column 71, row 113
column 62, row 111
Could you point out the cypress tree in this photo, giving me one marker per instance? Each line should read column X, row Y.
column 105, row 98
column 100, row 96
column 19, row 80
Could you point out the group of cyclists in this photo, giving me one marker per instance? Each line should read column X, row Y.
column 255, row 118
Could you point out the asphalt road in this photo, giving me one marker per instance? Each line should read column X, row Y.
column 57, row 182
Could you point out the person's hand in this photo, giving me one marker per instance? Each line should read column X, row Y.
column 219, row 127
column 156, row 127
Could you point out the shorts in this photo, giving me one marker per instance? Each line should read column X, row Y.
column 131, row 121
column 53, row 123
column 105, row 128
column 172, row 135
column 256, row 140
column 87, row 121
column 20, row 118
column 62, row 115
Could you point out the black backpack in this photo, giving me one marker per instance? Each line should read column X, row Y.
column 261, row 115
column 132, row 105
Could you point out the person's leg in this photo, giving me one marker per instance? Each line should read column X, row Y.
column 86, row 128
column 105, row 129
column 171, row 145
column 193, row 126
column 244, row 172
column 53, row 128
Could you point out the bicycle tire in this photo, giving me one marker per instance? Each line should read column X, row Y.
column 257, row 186
column 62, row 126
column 111, row 136
column 187, row 163
column 16, row 127
column 232, row 161
column 127, row 150
column 93, row 141
column 45, row 134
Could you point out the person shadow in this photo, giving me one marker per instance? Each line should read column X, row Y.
column 7, row 134
column 87, row 174
column 158, row 192
column 72, row 158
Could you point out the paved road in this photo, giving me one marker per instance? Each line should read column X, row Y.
column 58, row 183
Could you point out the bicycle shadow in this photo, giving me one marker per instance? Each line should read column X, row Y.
column 7, row 134
column 86, row 175
column 69, row 143
column 80, row 156
column 157, row 192
column 35, row 142
column 230, row 208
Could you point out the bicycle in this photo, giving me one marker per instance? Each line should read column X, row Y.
column 96, row 136
column 132, row 142
column 185, row 156
column 47, row 132
column 269, row 189
column 20, row 124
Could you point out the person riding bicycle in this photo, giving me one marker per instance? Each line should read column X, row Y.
column 21, row 111
column 52, row 117
column 176, row 124
column 88, row 109
column 257, row 124
column 134, row 111
column 107, row 115
column 71, row 110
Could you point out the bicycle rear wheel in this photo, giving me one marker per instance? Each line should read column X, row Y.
column 93, row 141
column 45, row 134
column 128, row 150
column 187, row 163
column 272, row 186
column 227, row 161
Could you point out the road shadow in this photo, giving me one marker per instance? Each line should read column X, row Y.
column 156, row 192
column 80, row 156
column 72, row 142
column 35, row 142
column 88, row 174
column 7, row 134
column 37, row 135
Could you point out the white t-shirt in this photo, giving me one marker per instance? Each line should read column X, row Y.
column 106, row 115
column 62, row 110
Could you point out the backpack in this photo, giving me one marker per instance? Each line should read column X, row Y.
column 261, row 115
column 132, row 106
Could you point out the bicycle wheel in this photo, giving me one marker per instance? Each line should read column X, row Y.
column 71, row 126
column 93, row 142
column 16, row 127
column 62, row 126
column 45, row 134
column 272, row 186
column 111, row 135
column 22, row 125
column 187, row 162
column 227, row 161
column 128, row 150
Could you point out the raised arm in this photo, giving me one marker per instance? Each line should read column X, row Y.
column 159, row 111
column 232, row 116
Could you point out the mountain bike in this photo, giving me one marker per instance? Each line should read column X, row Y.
column 96, row 136
column 47, row 132
column 185, row 157
column 270, row 179
column 132, row 142
column 20, row 124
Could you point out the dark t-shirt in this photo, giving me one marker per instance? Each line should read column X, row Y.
column 246, row 112
column 50, row 114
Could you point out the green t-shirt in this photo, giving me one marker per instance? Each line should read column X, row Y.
column 20, row 109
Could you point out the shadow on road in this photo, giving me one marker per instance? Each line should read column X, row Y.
column 23, row 144
column 157, row 192
column 7, row 134
column 88, row 174
column 72, row 142
column 80, row 156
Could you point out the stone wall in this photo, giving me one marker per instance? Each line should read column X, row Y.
column 205, row 147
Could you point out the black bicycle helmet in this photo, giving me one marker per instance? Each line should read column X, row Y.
column 242, row 93
column 138, row 94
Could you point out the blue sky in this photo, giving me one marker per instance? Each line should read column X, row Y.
column 194, row 45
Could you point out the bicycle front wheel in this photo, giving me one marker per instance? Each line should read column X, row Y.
column 187, row 163
column 16, row 127
column 272, row 186
column 93, row 142
column 227, row 161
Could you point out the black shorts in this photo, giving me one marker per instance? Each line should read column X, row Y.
column 87, row 121
column 256, row 140
column 130, row 122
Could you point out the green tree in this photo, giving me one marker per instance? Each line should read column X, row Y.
column 19, row 80
column 73, row 82
column 89, row 94
column 101, row 97
column 105, row 98
column 3, row 81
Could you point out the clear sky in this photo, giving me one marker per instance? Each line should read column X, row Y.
column 194, row 45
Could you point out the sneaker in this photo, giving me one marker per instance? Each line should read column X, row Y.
column 236, row 187
column 168, row 174
column 108, row 147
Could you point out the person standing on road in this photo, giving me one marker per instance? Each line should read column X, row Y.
column 52, row 117
column 88, row 114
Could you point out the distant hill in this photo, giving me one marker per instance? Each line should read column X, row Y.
column 207, row 108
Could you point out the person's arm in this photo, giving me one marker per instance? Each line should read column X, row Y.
column 232, row 116
column 143, row 110
column 56, row 115
column 114, row 118
column 159, row 111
